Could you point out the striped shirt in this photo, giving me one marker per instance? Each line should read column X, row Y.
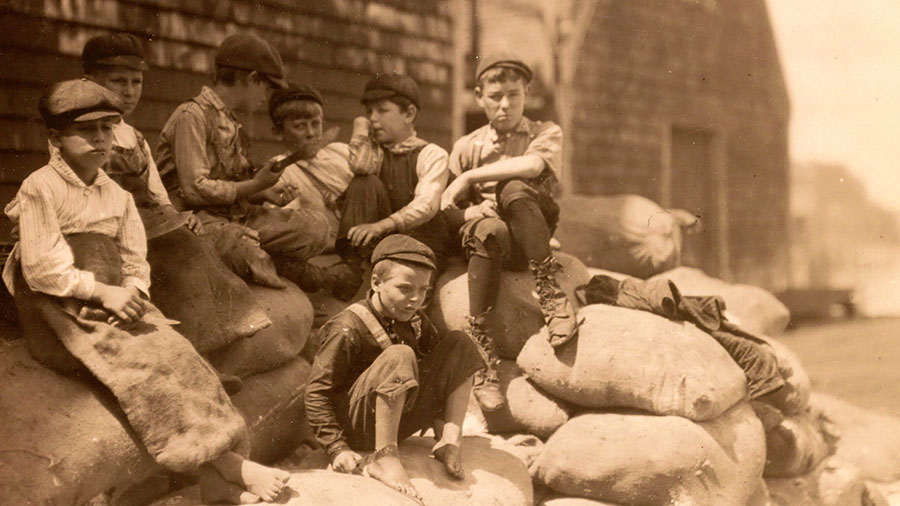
column 52, row 202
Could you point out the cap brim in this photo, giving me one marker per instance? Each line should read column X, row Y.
column 129, row 61
column 92, row 115
column 413, row 258
column 280, row 82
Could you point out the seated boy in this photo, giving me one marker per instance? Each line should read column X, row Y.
column 506, row 172
column 383, row 373
column 398, row 176
column 100, row 318
column 317, row 180
column 203, row 161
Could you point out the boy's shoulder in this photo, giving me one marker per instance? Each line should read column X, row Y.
column 472, row 136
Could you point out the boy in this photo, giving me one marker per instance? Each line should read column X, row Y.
column 102, row 318
column 382, row 372
column 203, row 161
column 506, row 171
column 316, row 181
column 398, row 177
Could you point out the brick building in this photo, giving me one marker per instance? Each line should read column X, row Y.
column 334, row 44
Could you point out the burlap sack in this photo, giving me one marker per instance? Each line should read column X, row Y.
column 833, row 483
column 557, row 500
column 623, row 233
column 527, row 408
column 757, row 309
column 868, row 440
column 797, row 445
column 291, row 314
column 635, row 359
column 191, row 284
column 517, row 314
column 656, row 460
column 793, row 398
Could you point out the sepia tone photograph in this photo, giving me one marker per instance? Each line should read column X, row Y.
column 449, row 252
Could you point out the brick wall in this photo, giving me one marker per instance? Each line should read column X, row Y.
column 335, row 45
column 646, row 68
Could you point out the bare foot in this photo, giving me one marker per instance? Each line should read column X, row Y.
column 215, row 489
column 449, row 454
column 265, row 482
column 389, row 470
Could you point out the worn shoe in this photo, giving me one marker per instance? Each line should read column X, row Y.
column 487, row 384
column 343, row 280
column 558, row 310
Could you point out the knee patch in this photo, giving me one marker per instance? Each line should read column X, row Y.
column 490, row 239
column 514, row 190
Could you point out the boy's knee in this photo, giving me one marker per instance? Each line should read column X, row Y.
column 398, row 356
column 491, row 239
column 516, row 189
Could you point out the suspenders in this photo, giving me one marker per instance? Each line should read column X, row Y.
column 371, row 323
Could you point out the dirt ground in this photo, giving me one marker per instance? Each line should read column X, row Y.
column 857, row 360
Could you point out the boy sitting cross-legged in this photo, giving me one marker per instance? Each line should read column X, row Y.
column 502, row 204
column 383, row 372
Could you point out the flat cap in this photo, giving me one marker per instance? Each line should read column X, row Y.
column 78, row 100
column 247, row 51
column 405, row 249
column 391, row 85
column 293, row 91
column 504, row 59
column 114, row 49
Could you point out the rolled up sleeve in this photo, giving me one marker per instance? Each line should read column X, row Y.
column 193, row 164
column 547, row 145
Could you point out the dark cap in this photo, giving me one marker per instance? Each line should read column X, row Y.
column 391, row 85
column 293, row 91
column 247, row 51
column 507, row 60
column 405, row 249
column 114, row 49
column 78, row 100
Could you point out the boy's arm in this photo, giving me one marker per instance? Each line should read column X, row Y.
column 132, row 243
column 154, row 183
column 330, row 369
column 432, row 170
column 46, row 259
column 365, row 155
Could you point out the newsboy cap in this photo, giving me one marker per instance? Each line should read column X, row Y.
column 405, row 249
column 503, row 59
column 391, row 85
column 293, row 91
column 78, row 100
column 247, row 51
column 114, row 49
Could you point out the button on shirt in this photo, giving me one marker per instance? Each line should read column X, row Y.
column 485, row 145
column 52, row 202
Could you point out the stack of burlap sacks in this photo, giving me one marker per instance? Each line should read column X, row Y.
column 64, row 440
column 641, row 410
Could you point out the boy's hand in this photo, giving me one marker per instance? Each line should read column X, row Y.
column 346, row 461
column 194, row 225
column 453, row 192
column 265, row 178
column 361, row 126
column 125, row 304
column 282, row 195
column 486, row 209
column 361, row 235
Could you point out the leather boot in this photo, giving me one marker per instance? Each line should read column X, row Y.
column 558, row 310
column 487, row 383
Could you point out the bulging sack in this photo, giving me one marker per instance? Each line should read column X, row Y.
column 656, row 460
column 527, row 408
column 797, row 445
column 623, row 233
column 517, row 314
column 635, row 359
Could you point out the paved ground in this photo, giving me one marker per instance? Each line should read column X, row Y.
column 857, row 360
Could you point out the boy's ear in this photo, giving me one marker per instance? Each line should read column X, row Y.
column 527, row 88
column 54, row 137
column 411, row 112
column 375, row 283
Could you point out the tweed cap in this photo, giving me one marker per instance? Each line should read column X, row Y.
column 114, row 49
column 391, row 85
column 78, row 100
column 405, row 249
column 504, row 59
column 247, row 51
column 293, row 91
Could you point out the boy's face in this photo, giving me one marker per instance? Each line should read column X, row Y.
column 390, row 123
column 503, row 103
column 303, row 133
column 403, row 291
column 85, row 145
column 255, row 92
column 128, row 83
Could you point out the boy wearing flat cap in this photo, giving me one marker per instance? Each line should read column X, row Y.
column 502, row 204
column 383, row 372
column 203, row 161
column 316, row 180
column 398, row 177
column 80, row 281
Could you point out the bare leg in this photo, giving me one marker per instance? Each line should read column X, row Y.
column 265, row 482
column 215, row 489
column 447, row 448
column 386, row 466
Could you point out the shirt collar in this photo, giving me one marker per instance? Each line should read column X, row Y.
column 62, row 168
column 209, row 97
column 525, row 126
column 407, row 144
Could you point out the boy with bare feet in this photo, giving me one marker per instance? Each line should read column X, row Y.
column 383, row 372
column 80, row 279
